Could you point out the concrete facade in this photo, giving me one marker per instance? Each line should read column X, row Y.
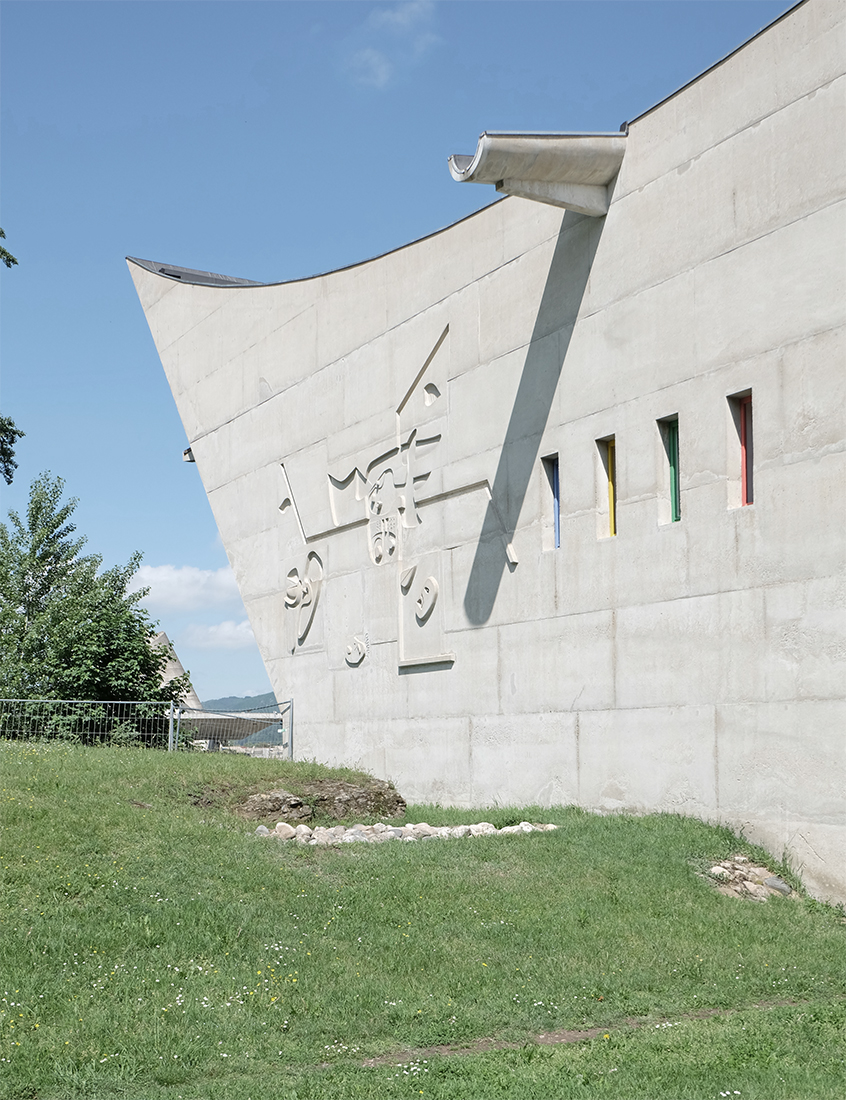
column 373, row 440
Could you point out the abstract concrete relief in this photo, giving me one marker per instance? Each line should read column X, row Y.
column 302, row 594
column 381, row 491
column 421, row 630
column 356, row 651
column 383, row 539
column 426, row 600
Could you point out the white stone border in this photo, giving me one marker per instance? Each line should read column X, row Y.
column 380, row 832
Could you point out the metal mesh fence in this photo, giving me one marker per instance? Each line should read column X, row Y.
column 89, row 722
column 255, row 733
column 148, row 724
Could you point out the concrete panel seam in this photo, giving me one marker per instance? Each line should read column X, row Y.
column 628, row 295
column 729, row 137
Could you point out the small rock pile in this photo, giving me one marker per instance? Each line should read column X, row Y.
column 379, row 833
column 739, row 877
column 330, row 797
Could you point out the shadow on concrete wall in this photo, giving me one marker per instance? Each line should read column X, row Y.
column 578, row 240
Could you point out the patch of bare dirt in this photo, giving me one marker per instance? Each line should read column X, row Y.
column 553, row 1038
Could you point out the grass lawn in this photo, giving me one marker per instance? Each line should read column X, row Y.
column 152, row 948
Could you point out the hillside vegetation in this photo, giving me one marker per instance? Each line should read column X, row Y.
column 242, row 702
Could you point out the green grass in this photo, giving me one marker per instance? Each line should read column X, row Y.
column 169, row 953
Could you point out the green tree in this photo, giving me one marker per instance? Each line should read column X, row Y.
column 9, row 435
column 6, row 256
column 68, row 630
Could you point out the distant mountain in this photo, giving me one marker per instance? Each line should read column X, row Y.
column 242, row 702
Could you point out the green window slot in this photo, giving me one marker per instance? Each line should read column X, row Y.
column 673, row 459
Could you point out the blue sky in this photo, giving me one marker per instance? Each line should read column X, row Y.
column 270, row 141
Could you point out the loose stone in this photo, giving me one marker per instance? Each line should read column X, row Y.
column 321, row 836
column 740, row 878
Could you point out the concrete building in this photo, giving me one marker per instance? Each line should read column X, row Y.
column 548, row 507
column 174, row 668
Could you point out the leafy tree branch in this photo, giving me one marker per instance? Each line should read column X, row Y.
column 67, row 629
column 9, row 435
column 6, row 256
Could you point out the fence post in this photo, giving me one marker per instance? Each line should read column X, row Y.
column 291, row 732
column 170, row 728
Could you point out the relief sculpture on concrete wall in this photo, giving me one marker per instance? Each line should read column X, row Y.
column 356, row 651
column 384, row 491
column 302, row 594
column 424, row 605
column 421, row 625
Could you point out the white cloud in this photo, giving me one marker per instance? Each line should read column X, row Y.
column 225, row 635
column 403, row 37
column 371, row 67
column 404, row 16
column 422, row 43
column 186, row 588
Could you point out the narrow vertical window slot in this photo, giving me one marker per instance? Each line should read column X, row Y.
column 746, row 450
column 606, row 486
column 550, row 466
column 673, row 456
column 741, row 451
column 670, row 480
column 612, row 486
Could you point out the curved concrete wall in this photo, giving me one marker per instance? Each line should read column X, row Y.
column 372, row 443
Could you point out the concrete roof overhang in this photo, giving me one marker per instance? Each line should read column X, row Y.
column 574, row 171
column 569, row 170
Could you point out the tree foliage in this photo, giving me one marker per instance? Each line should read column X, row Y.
column 6, row 256
column 9, row 435
column 67, row 629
